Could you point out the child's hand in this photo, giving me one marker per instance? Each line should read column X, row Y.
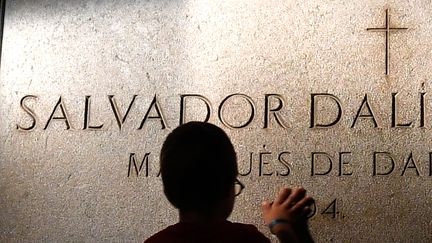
column 290, row 206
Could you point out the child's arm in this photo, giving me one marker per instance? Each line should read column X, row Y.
column 287, row 215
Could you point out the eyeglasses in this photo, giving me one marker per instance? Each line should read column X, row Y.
column 238, row 187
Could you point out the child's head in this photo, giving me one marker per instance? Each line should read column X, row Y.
column 198, row 167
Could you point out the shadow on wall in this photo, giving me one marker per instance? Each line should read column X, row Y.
column 2, row 13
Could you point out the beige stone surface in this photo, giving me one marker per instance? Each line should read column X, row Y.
column 60, row 185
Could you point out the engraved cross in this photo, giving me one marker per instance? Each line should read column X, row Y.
column 387, row 29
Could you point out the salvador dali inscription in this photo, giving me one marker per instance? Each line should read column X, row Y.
column 263, row 163
column 319, row 104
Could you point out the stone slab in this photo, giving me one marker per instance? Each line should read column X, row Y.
column 70, row 181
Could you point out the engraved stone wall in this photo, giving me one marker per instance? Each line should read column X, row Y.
column 309, row 94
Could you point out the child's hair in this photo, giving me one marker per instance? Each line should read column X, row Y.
column 198, row 166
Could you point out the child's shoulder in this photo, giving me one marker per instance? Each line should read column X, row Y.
column 225, row 231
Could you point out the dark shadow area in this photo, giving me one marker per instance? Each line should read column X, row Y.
column 2, row 14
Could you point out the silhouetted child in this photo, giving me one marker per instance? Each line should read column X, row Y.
column 199, row 171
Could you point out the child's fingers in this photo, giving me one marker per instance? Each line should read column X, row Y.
column 303, row 203
column 295, row 196
column 306, row 211
column 266, row 206
column 283, row 194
